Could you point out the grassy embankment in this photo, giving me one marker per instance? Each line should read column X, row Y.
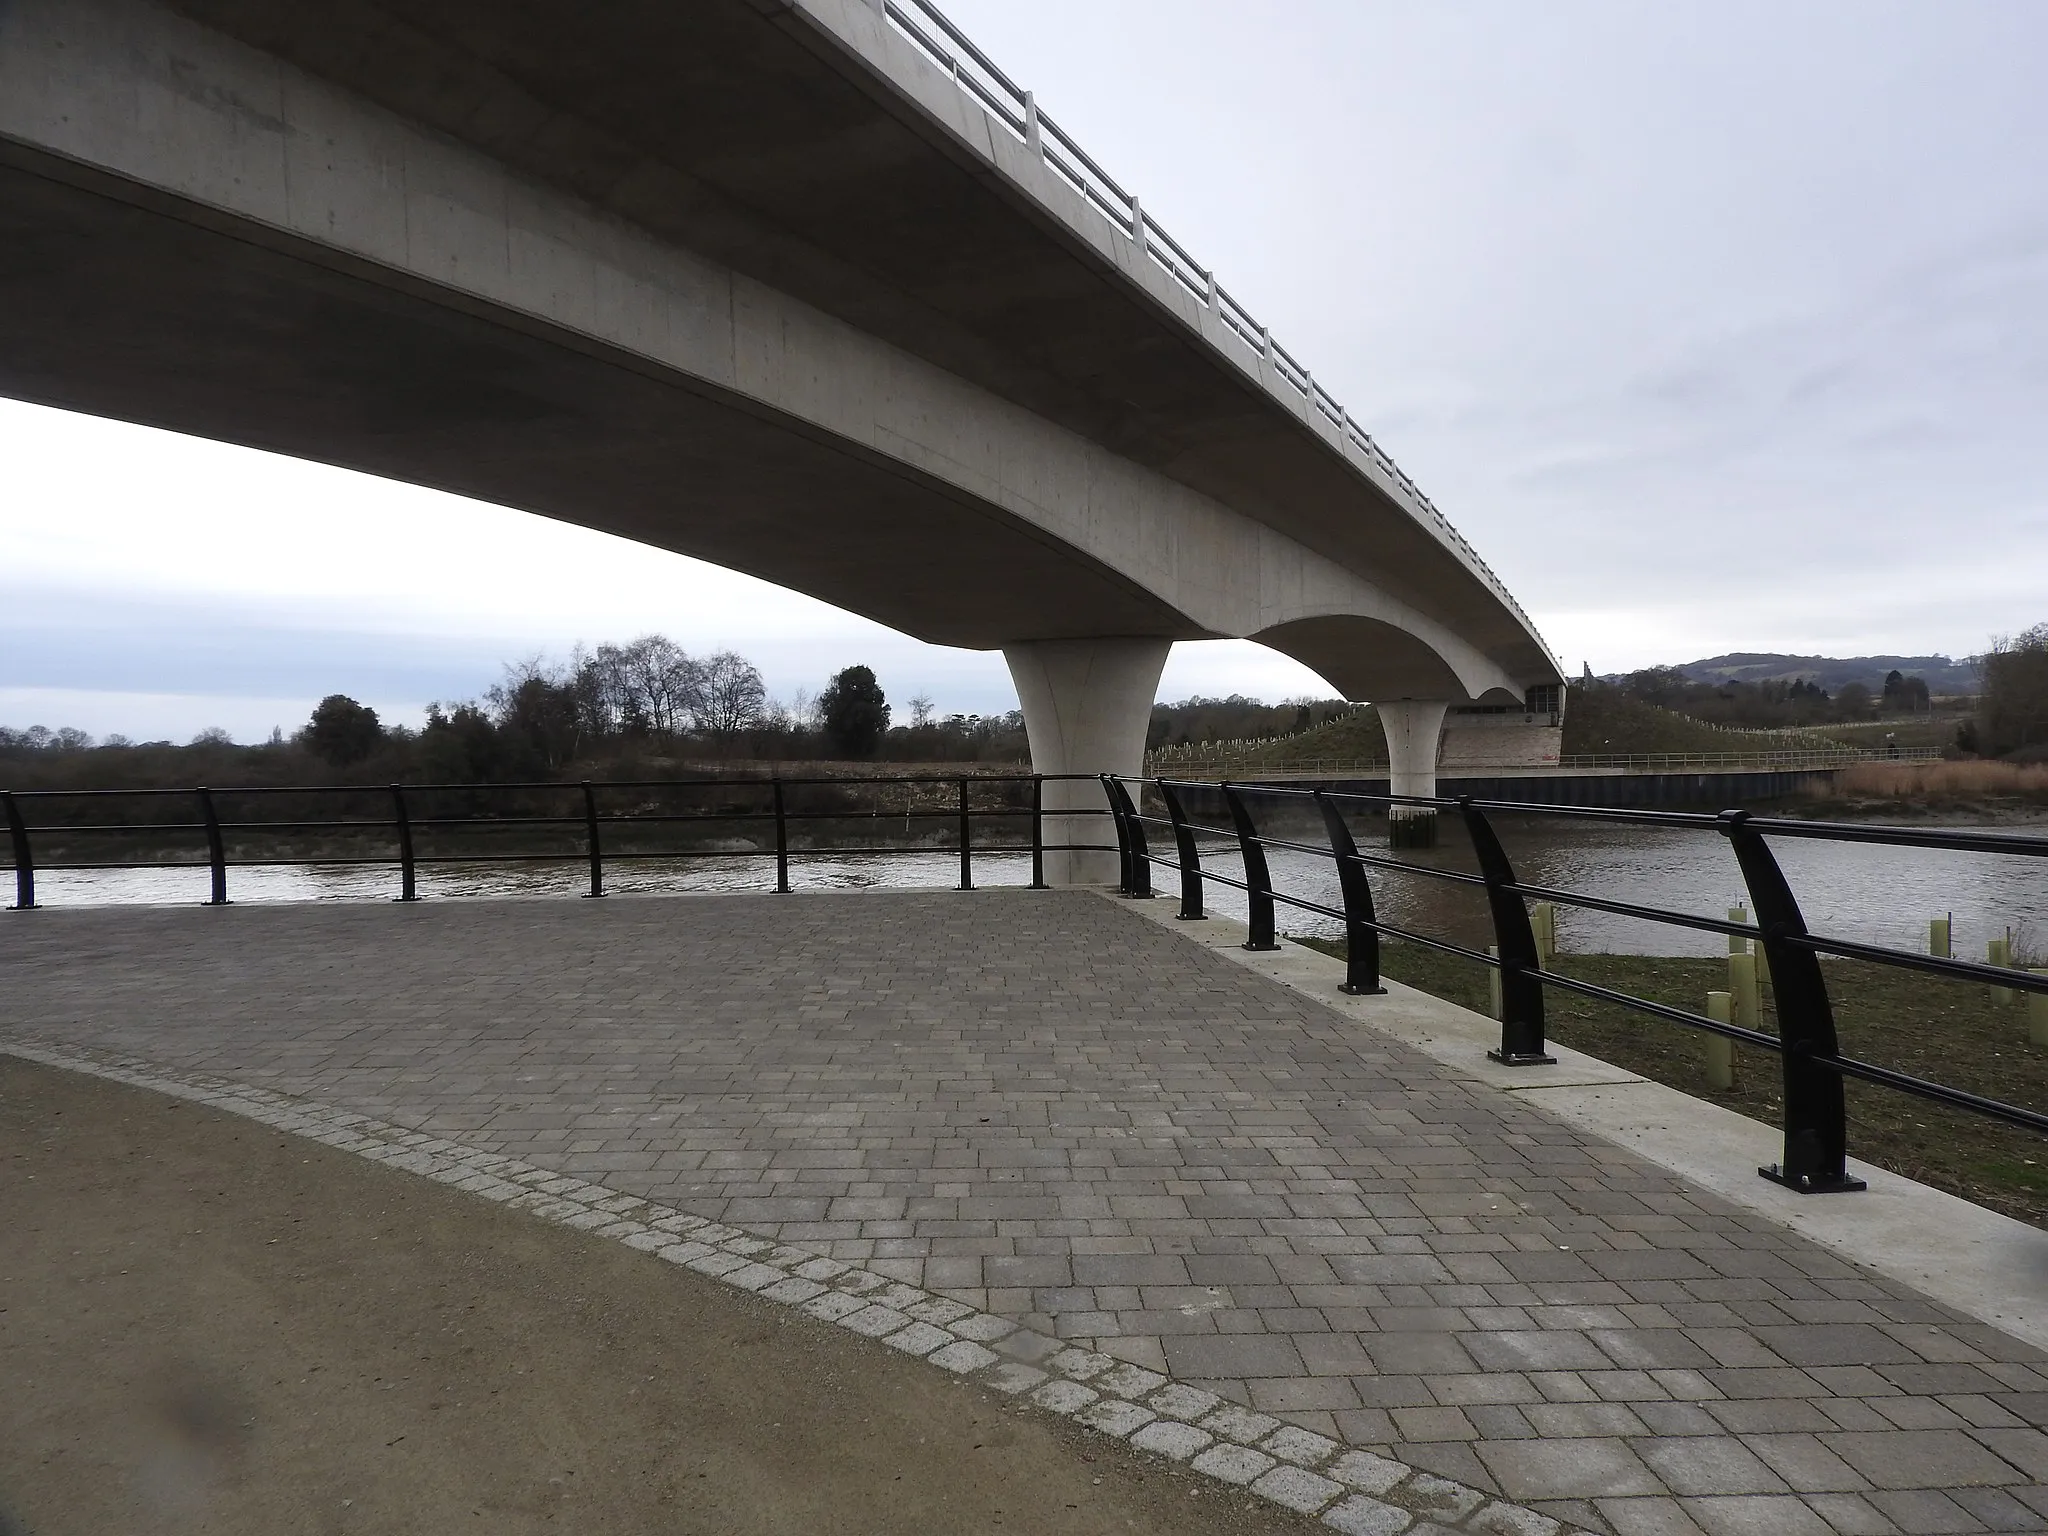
column 1599, row 720
column 1943, row 1031
column 1606, row 720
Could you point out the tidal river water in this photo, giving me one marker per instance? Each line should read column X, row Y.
column 1850, row 890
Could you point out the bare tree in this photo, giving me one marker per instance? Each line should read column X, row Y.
column 663, row 687
column 921, row 710
column 731, row 696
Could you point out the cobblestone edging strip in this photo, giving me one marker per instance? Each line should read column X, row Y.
column 1352, row 1491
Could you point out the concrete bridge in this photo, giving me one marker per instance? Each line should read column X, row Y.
column 805, row 288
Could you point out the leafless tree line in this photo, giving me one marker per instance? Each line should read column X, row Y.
column 653, row 687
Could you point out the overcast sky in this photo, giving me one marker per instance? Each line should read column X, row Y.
column 1715, row 327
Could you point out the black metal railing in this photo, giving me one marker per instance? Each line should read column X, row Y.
column 1815, row 1123
column 597, row 824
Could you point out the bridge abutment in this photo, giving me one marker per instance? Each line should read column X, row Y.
column 1414, row 729
column 1086, row 706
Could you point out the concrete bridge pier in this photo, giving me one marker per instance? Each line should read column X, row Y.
column 1086, row 707
column 1415, row 729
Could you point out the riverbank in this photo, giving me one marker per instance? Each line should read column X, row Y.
column 1947, row 1032
column 1974, row 791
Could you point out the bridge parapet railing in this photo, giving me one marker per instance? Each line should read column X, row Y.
column 1017, row 110
column 596, row 824
column 1813, row 1066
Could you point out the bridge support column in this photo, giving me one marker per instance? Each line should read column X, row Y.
column 1415, row 729
column 1086, row 707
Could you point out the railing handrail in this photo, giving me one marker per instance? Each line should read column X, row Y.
column 402, row 821
column 1814, row 1067
column 1009, row 776
column 1017, row 110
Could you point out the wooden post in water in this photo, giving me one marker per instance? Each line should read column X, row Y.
column 1999, row 953
column 1543, row 923
column 2037, row 1014
column 1720, row 1049
column 1746, row 998
column 1937, row 937
column 1494, row 1004
column 1737, row 944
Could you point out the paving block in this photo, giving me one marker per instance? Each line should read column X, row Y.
column 1172, row 1439
column 1298, row 1489
column 1233, row 1463
column 1359, row 1515
column 1114, row 1416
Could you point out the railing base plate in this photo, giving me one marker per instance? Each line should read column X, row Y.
column 1807, row 1184
column 1349, row 990
column 1521, row 1059
column 1258, row 949
column 1191, row 917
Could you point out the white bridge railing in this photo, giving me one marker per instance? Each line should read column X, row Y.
column 1017, row 110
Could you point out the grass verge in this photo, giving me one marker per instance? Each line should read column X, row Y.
column 1943, row 1031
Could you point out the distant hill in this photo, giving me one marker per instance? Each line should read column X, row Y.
column 1943, row 675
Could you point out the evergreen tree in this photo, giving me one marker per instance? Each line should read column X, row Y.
column 855, row 713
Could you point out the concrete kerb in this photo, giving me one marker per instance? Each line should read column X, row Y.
column 1984, row 1265
column 1351, row 1491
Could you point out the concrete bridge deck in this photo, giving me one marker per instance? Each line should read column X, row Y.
column 1050, row 1107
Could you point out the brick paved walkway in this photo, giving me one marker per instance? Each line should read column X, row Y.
column 1049, row 1107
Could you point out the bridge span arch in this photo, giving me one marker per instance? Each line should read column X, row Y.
column 585, row 265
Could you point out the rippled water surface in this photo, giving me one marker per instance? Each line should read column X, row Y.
column 1852, row 890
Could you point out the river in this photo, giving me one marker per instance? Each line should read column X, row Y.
column 1851, row 890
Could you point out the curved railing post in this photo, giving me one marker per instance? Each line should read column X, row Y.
column 1521, row 994
column 1130, row 838
column 966, row 840
column 216, row 850
column 1361, row 939
column 1258, row 880
column 24, row 861
column 1190, row 857
column 406, row 891
column 1038, row 832
column 1816, row 1116
column 590, row 838
column 781, row 839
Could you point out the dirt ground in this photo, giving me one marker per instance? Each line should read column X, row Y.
column 207, row 1325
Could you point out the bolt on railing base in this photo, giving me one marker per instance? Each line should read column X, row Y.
column 1521, row 1058
column 1813, row 1184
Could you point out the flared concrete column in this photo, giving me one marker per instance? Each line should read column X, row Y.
column 1415, row 729
column 1086, row 706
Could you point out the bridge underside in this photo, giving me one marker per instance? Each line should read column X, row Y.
column 142, row 315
